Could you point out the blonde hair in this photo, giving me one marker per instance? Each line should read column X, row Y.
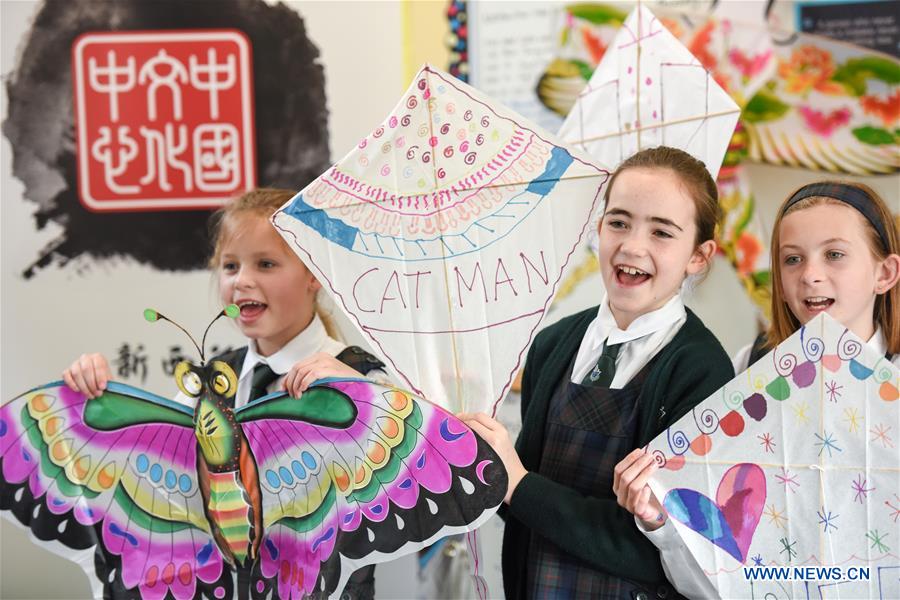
column 262, row 202
column 886, row 313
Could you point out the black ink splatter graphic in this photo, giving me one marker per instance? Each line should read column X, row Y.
column 291, row 122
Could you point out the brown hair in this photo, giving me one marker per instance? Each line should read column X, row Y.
column 887, row 306
column 262, row 202
column 693, row 175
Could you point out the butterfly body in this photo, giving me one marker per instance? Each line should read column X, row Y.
column 217, row 434
column 229, row 508
column 229, row 483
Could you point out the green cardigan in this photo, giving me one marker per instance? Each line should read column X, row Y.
column 596, row 529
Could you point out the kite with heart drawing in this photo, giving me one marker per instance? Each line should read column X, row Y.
column 794, row 462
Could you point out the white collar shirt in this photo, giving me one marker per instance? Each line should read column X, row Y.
column 642, row 340
column 311, row 340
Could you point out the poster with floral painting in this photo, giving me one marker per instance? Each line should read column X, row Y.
column 831, row 106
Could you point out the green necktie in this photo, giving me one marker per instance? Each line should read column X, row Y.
column 603, row 372
column 263, row 376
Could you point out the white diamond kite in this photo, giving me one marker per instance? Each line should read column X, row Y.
column 444, row 234
column 649, row 90
column 793, row 463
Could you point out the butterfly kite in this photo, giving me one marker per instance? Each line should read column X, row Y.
column 291, row 495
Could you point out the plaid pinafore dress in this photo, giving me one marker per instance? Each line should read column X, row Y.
column 588, row 430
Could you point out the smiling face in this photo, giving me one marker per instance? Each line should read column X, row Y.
column 272, row 287
column 827, row 266
column 648, row 242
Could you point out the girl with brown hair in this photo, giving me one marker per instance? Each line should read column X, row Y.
column 835, row 249
column 605, row 381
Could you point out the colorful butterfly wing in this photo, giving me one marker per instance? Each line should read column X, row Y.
column 299, row 508
column 377, row 473
column 118, row 471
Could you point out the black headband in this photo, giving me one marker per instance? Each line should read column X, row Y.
column 850, row 195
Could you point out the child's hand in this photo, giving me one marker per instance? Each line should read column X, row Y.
column 496, row 435
column 89, row 375
column 314, row 367
column 632, row 492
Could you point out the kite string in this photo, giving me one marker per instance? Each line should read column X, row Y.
column 460, row 407
column 637, row 130
column 816, row 467
column 637, row 84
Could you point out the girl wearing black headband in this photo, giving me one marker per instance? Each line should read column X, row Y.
column 834, row 249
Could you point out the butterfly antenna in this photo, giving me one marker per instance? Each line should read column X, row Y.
column 231, row 311
column 153, row 315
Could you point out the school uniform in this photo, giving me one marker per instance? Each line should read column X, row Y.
column 565, row 533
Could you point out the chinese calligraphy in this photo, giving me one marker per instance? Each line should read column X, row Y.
column 164, row 119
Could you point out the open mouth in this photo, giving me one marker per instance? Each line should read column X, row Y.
column 250, row 309
column 818, row 303
column 629, row 276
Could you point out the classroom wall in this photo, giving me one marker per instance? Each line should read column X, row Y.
column 48, row 320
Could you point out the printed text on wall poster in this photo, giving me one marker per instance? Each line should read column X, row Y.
column 164, row 119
